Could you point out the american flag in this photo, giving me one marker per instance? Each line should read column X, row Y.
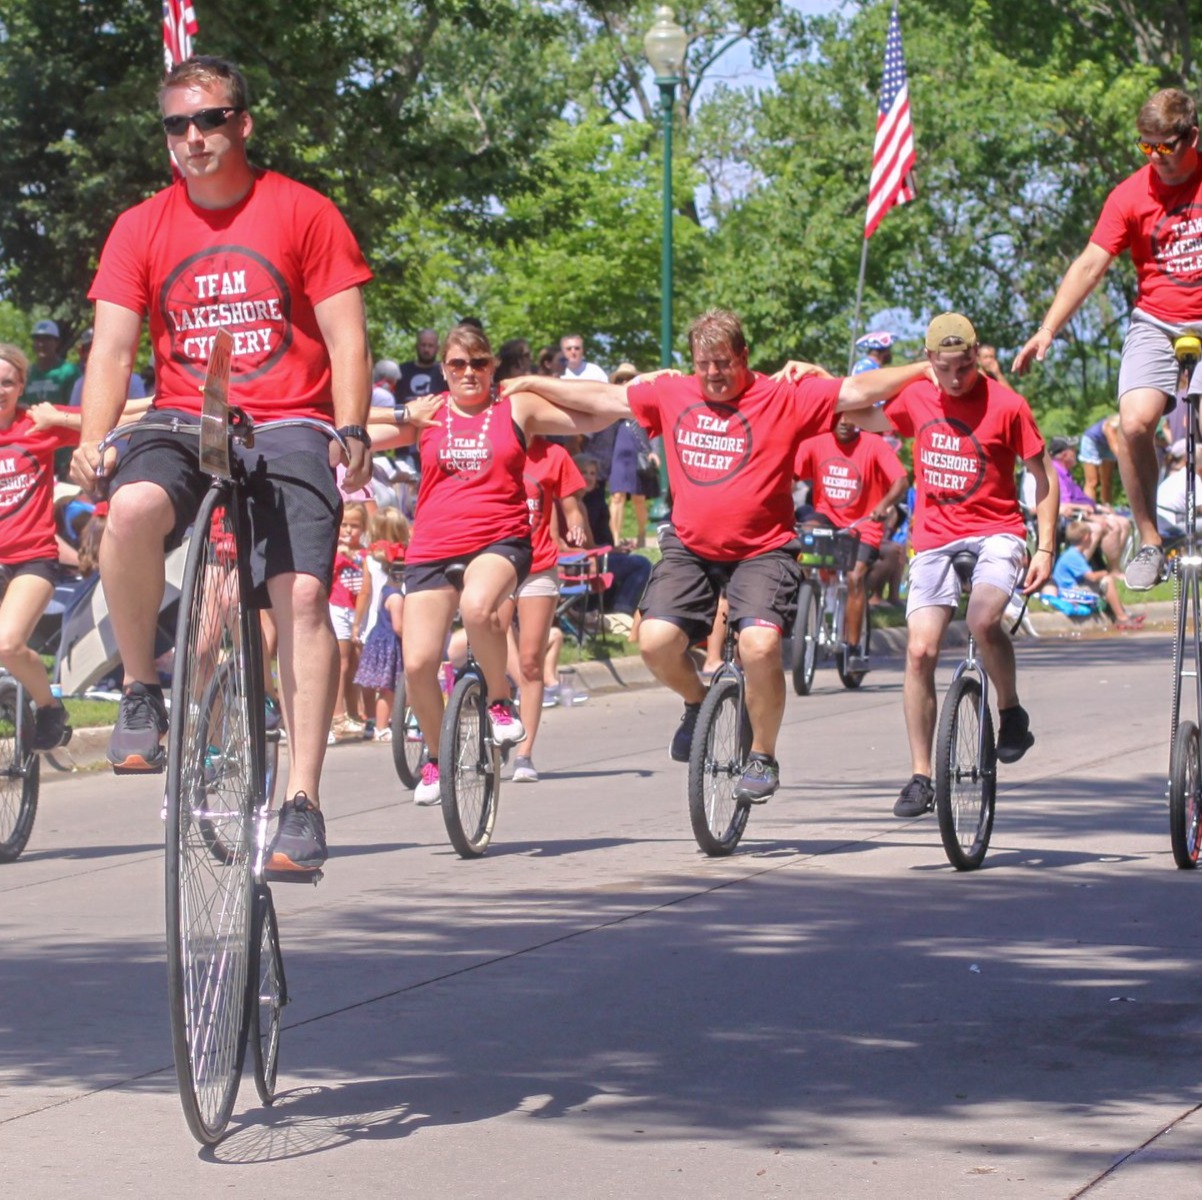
column 179, row 28
column 893, row 156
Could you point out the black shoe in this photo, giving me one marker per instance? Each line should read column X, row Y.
column 1014, row 737
column 136, row 744
column 682, row 739
column 50, row 727
column 917, row 797
column 300, row 841
column 759, row 780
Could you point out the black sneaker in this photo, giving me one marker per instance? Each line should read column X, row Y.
column 1014, row 737
column 50, row 727
column 136, row 746
column 760, row 779
column 300, row 840
column 682, row 739
column 917, row 797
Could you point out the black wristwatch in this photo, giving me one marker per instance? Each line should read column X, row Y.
column 357, row 432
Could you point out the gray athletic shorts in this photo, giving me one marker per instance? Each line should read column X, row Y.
column 1001, row 562
column 1148, row 362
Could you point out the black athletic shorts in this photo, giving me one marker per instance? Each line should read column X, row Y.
column 40, row 568
column 423, row 577
column 684, row 587
column 294, row 505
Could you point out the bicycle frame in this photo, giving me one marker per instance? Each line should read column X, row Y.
column 970, row 663
column 1186, row 569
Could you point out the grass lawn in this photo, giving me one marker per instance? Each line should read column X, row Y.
column 87, row 714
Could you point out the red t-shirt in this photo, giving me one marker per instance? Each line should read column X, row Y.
column 347, row 582
column 965, row 450
column 550, row 473
column 850, row 479
column 258, row 269
column 1162, row 227
column 730, row 466
column 471, row 493
column 27, row 488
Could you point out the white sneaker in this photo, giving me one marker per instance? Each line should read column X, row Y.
column 428, row 792
column 523, row 770
column 506, row 725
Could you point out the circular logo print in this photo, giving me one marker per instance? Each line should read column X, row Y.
column 841, row 481
column 464, row 455
column 950, row 459
column 233, row 288
column 713, row 442
column 19, row 473
column 1177, row 245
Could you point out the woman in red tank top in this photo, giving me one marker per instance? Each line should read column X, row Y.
column 471, row 509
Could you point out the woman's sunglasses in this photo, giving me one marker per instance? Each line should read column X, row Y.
column 461, row 364
column 205, row 120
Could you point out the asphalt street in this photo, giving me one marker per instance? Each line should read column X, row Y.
column 594, row 1009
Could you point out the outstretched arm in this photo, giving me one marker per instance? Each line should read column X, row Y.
column 591, row 398
column 1047, row 509
column 536, row 413
column 387, row 428
column 871, row 387
column 1079, row 280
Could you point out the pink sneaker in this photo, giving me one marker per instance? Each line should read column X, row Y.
column 507, row 729
column 428, row 791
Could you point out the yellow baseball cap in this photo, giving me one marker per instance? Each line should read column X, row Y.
column 950, row 332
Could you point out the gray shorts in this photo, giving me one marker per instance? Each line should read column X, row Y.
column 1147, row 360
column 1001, row 563
column 294, row 506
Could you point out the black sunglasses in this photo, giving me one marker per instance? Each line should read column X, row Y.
column 461, row 364
column 205, row 120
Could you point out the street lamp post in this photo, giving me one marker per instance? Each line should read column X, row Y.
column 665, row 46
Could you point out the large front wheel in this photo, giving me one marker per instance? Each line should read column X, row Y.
column 965, row 774
column 807, row 630
column 469, row 775
column 214, row 777
column 1185, row 778
column 721, row 744
column 19, row 772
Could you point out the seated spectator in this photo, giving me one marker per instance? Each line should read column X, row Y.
column 1170, row 495
column 1073, row 572
column 1108, row 531
column 630, row 571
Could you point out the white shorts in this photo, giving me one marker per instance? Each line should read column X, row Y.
column 342, row 619
column 1001, row 562
column 542, row 583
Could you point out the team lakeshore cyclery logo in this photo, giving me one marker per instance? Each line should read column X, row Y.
column 19, row 473
column 227, row 287
column 841, row 482
column 465, row 454
column 713, row 442
column 950, row 459
column 1177, row 245
column 534, row 499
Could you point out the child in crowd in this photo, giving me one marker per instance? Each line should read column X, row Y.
column 380, row 662
column 1072, row 573
column 350, row 596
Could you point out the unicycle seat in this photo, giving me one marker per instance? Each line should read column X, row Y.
column 964, row 562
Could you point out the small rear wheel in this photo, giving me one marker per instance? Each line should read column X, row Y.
column 470, row 776
column 721, row 744
column 408, row 744
column 267, row 997
column 1185, row 778
column 19, row 773
column 965, row 775
column 806, row 632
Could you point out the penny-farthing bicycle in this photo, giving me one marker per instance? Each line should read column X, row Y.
column 225, row 972
column 1185, row 759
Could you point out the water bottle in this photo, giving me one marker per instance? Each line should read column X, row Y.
column 567, row 687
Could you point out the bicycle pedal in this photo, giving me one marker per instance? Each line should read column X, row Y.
column 313, row 877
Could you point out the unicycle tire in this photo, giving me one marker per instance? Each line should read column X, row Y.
column 721, row 745
column 408, row 753
column 469, row 769
column 19, row 780
column 965, row 775
column 1185, row 806
column 807, row 627
column 267, row 997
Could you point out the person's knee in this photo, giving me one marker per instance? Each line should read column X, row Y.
column 922, row 653
column 759, row 648
column 661, row 640
column 1137, row 423
column 531, row 663
column 136, row 512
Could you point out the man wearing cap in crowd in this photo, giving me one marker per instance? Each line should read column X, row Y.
column 968, row 432
column 50, row 378
column 1153, row 214
column 1107, row 529
column 876, row 350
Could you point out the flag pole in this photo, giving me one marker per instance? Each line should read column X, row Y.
column 855, row 324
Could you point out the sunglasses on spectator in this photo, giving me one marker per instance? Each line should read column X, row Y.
column 1164, row 149
column 205, row 120
column 462, row 364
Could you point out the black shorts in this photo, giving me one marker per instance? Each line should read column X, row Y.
column 40, row 568
column 293, row 509
column 424, row 577
column 684, row 587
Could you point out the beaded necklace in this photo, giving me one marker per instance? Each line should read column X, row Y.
column 454, row 453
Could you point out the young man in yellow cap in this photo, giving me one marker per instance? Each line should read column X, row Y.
column 968, row 432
